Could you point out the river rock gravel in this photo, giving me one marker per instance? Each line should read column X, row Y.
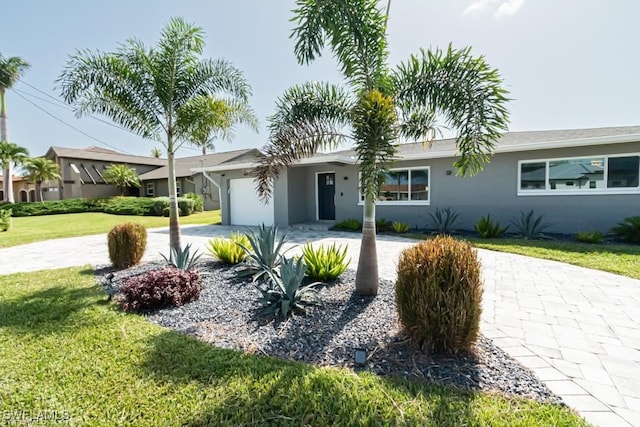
column 227, row 315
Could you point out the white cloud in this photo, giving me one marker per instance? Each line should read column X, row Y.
column 504, row 9
column 478, row 5
column 508, row 8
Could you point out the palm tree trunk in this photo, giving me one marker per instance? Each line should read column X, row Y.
column 39, row 191
column 367, row 274
column 7, row 182
column 174, row 222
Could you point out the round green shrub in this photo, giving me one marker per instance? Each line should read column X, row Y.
column 439, row 295
column 127, row 243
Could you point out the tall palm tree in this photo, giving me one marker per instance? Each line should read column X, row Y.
column 121, row 176
column 153, row 91
column 216, row 119
column 11, row 69
column 378, row 105
column 39, row 170
column 10, row 155
column 156, row 153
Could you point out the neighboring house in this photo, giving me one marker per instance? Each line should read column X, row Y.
column 585, row 179
column 23, row 191
column 81, row 172
column 189, row 178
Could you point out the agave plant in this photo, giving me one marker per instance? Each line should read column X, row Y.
column 443, row 221
column 182, row 259
column 263, row 252
column 325, row 263
column 284, row 291
column 530, row 226
column 487, row 229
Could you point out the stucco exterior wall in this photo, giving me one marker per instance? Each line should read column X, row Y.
column 493, row 191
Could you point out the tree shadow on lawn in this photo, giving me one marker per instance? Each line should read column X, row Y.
column 267, row 391
column 50, row 310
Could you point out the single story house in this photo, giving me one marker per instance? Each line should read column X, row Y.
column 23, row 190
column 189, row 177
column 81, row 172
column 584, row 179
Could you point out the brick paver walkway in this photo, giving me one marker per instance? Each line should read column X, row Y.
column 578, row 329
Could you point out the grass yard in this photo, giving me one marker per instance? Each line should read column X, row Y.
column 37, row 228
column 69, row 353
column 618, row 259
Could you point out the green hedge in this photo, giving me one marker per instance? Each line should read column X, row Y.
column 112, row 205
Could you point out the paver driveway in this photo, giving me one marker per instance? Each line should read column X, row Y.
column 578, row 329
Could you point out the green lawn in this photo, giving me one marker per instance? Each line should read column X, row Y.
column 65, row 348
column 38, row 228
column 619, row 259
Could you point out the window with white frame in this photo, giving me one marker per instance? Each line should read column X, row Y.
column 178, row 188
column 408, row 186
column 580, row 175
column 151, row 189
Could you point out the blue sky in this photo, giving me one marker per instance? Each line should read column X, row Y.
column 567, row 64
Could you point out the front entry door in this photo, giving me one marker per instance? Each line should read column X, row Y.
column 326, row 196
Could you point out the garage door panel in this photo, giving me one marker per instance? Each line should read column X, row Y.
column 245, row 206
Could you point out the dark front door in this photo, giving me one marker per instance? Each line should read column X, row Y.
column 326, row 196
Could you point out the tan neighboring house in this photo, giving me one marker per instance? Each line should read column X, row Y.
column 81, row 172
column 23, row 191
column 189, row 179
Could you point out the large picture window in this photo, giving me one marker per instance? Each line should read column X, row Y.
column 580, row 175
column 404, row 186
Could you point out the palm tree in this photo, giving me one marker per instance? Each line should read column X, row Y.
column 39, row 170
column 378, row 105
column 155, row 152
column 11, row 69
column 121, row 176
column 10, row 155
column 153, row 91
column 216, row 119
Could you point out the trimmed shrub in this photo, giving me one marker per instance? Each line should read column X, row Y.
column 161, row 206
column 141, row 206
column 127, row 243
column 198, row 201
column 229, row 251
column 349, row 224
column 487, row 229
column 590, row 237
column 325, row 263
column 439, row 294
column 167, row 287
column 5, row 219
column 185, row 206
column 53, row 207
column 629, row 229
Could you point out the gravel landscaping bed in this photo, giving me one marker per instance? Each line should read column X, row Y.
column 227, row 316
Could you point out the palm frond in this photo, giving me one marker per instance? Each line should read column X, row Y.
column 355, row 30
column 462, row 88
column 308, row 117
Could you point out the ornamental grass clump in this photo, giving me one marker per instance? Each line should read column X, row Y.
column 325, row 263
column 439, row 295
column 127, row 243
column 229, row 251
column 167, row 287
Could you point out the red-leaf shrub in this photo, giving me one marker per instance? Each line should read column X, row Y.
column 167, row 287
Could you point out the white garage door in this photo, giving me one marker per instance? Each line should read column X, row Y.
column 245, row 206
